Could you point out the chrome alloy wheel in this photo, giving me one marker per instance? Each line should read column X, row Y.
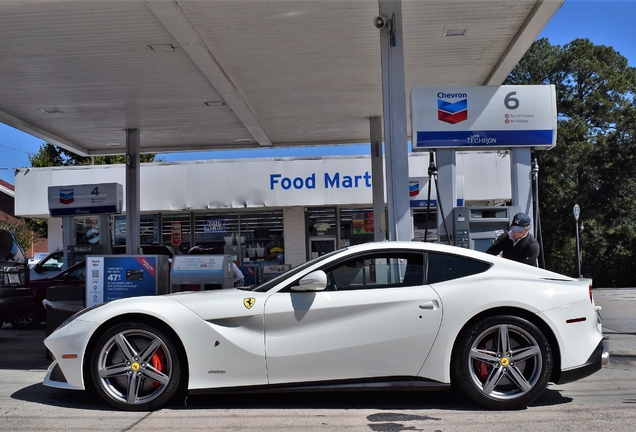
column 505, row 362
column 134, row 367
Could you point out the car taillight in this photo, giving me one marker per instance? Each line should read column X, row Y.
column 590, row 290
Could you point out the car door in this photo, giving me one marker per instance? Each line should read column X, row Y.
column 376, row 319
column 49, row 266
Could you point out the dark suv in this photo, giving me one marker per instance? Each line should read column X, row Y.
column 16, row 298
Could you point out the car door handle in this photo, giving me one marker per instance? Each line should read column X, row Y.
column 429, row 305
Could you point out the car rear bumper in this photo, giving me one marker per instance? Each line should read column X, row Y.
column 599, row 357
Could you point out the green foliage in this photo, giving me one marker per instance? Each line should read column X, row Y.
column 51, row 155
column 24, row 231
column 593, row 162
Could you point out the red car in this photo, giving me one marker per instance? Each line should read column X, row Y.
column 35, row 314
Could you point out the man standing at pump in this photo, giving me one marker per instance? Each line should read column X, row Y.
column 517, row 244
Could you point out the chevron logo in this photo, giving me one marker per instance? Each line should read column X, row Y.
column 452, row 112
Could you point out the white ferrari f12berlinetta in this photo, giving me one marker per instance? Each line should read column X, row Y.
column 386, row 315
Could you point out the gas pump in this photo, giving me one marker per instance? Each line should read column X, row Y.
column 78, row 253
column 478, row 227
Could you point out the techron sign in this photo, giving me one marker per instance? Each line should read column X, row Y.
column 483, row 117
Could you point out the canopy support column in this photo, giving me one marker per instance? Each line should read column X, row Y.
column 133, row 224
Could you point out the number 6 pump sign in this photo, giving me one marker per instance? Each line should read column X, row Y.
column 483, row 117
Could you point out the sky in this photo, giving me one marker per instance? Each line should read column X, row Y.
column 604, row 22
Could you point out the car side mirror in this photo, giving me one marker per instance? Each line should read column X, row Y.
column 314, row 281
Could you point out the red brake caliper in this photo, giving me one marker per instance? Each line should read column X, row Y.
column 157, row 362
column 482, row 367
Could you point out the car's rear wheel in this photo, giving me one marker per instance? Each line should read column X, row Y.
column 136, row 367
column 503, row 362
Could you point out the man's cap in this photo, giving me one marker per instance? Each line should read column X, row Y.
column 520, row 222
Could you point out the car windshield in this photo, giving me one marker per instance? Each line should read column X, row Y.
column 53, row 261
column 288, row 274
column 10, row 249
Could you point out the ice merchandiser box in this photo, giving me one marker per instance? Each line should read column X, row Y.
column 113, row 277
column 201, row 272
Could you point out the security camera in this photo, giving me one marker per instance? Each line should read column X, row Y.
column 380, row 21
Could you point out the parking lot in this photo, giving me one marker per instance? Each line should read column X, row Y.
column 603, row 401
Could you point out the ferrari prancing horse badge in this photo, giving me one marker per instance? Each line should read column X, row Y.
column 248, row 302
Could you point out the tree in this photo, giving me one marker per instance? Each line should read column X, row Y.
column 52, row 155
column 593, row 162
column 24, row 229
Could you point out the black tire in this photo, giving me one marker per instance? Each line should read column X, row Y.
column 29, row 320
column 136, row 367
column 503, row 362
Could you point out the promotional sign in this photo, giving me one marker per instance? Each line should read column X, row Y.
column 199, row 263
column 362, row 223
column 122, row 276
column 76, row 200
column 483, row 117
column 175, row 232
column 201, row 272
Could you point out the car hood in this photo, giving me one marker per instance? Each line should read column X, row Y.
column 220, row 304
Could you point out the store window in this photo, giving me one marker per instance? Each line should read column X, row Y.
column 247, row 236
column 356, row 226
column 148, row 230
column 171, row 225
column 322, row 231
column 421, row 222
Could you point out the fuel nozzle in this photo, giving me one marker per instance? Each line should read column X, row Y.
column 432, row 169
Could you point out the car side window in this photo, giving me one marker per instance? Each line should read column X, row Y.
column 53, row 263
column 445, row 267
column 377, row 270
column 78, row 274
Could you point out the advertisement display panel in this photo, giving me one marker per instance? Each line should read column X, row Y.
column 114, row 277
column 201, row 272
column 483, row 117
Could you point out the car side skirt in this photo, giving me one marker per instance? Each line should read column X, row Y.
column 365, row 384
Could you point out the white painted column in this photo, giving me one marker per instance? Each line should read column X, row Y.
column 395, row 133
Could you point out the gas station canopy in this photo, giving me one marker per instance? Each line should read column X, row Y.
column 210, row 75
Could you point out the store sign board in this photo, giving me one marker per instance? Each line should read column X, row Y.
column 483, row 117
column 214, row 226
column 77, row 200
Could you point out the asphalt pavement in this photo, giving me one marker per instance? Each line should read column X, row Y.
column 27, row 405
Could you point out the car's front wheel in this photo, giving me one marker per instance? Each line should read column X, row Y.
column 503, row 362
column 136, row 367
